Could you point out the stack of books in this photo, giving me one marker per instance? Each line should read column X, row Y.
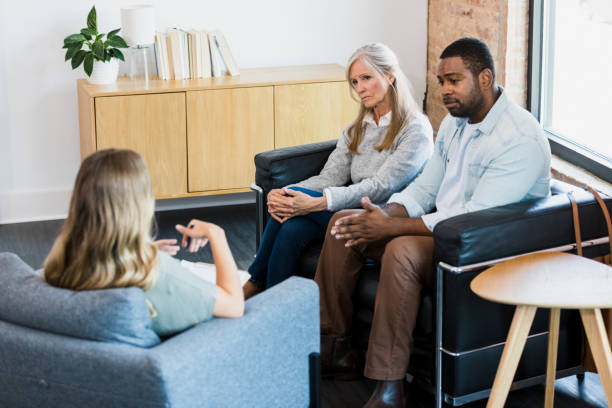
column 192, row 54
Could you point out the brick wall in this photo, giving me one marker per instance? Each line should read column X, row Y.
column 502, row 24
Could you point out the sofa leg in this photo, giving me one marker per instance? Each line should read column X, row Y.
column 259, row 213
column 314, row 365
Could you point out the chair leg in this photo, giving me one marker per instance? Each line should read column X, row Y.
column 517, row 336
column 314, row 363
column 600, row 347
column 551, row 364
column 259, row 213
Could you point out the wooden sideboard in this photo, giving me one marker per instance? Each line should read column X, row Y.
column 199, row 136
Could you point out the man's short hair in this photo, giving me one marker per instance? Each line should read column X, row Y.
column 474, row 53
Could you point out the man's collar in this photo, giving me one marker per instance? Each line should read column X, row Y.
column 490, row 120
column 382, row 121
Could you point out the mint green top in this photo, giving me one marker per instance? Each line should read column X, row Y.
column 179, row 299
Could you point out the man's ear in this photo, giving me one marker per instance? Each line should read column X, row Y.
column 485, row 79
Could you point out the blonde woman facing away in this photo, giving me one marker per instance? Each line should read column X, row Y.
column 381, row 152
column 106, row 243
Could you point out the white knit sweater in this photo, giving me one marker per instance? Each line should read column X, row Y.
column 374, row 174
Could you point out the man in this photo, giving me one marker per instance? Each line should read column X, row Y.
column 488, row 152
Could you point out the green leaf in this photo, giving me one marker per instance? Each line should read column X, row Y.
column 117, row 54
column 78, row 58
column 99, row 37
column 92, row 20
column 117, row 41
column 87, row 33
column 72, row 50
column 74, row 38
column 98, row 50
column 111, row 33
column 88, row 64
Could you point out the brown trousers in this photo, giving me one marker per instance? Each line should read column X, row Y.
column 406, row 267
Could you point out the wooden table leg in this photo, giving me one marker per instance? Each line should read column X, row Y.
column 551, row 364
column 517, row 336
column 600, row 347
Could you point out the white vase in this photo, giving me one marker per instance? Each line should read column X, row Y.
column 104, row 72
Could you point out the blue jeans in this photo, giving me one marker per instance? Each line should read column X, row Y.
column 282, row 244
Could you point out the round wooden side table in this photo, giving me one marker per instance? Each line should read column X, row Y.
column 554, row 280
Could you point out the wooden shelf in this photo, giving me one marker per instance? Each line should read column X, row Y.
column 302, row 74
column 199, row 136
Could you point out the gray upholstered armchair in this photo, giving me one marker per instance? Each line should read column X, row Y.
column 60, row 348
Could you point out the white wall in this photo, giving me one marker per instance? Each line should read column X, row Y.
column 39, row 137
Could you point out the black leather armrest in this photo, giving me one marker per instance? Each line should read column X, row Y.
column 280, row 167
column 518, row 228
column 501, row 232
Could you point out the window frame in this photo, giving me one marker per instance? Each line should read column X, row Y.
column 561, row 147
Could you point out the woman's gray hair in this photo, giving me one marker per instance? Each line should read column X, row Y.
column 383, row 61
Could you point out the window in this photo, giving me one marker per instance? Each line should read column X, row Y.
column 570, row 79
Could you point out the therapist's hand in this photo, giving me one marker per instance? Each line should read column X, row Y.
column 168, row 246
column 197, row 233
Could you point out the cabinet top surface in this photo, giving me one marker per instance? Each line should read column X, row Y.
column 247, row 78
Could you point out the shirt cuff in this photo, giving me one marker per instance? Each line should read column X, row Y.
column 328, row 197
column 412, row 207
column 430, row 220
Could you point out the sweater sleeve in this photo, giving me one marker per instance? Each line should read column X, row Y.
column 337, row 169
column 413, row 148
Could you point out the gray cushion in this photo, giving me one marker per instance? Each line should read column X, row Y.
column 109, row 315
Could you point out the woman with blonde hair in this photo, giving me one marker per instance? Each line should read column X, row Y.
column 382, row 151
column 106, row 243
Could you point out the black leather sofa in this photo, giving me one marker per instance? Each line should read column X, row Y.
column 459, row 337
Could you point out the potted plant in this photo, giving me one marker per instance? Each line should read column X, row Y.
column 100, row 57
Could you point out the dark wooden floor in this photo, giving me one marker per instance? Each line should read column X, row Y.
column 32, row 241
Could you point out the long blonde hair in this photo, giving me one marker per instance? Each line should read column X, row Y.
column 382, row 61
column 106, row 240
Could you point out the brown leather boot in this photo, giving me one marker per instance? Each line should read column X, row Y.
column 388, row 394
column 339, row 360
column 250, row 289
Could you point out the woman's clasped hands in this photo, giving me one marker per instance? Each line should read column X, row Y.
column 286, row 203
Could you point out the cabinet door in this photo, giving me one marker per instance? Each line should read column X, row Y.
column 152, row 125
column 226, row 128
column 309, row 113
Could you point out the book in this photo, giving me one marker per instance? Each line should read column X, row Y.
column 158, row 57
column 184, row 44
column 194, row 41
column 226, row 54
column 168, row 63
column 215, row 56
column 205, row 50
column 174, row 54
column 192, row 59
column 162, row 56
column 208, row 271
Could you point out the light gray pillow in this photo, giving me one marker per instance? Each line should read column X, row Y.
column 108, row 315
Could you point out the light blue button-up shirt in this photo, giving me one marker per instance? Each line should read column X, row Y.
column 510, row 162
